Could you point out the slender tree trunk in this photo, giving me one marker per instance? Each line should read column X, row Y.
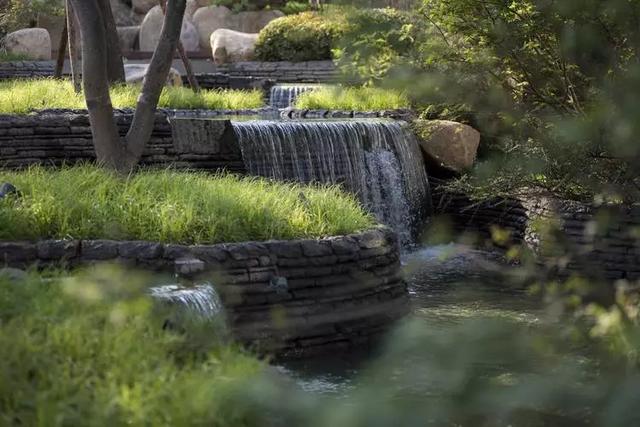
column 111, row 150
column 74, row 63
column 155, row 80
column 62, row 48
column 115, row 66
column 193, row 82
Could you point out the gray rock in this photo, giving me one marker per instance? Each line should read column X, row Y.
column 13, row 274
column 34, row 43
column 7, row 189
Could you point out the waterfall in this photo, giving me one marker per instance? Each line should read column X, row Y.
column 378, row 160
column 284, row 95
column 201, row 300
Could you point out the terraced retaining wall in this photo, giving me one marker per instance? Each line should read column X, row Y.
column 601, row 242
column 288, row 297
column 282, row 72
column 57, row 137
column 26, row 69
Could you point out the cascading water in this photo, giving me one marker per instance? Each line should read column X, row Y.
column 378, row 160
column 201, row 300
column 284, row 95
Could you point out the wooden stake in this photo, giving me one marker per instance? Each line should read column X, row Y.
column 73, row 48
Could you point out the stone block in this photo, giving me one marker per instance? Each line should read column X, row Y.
column 99, row 249
column 140, row 250
column 58, row 249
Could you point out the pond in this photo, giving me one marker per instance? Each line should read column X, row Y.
column 474, row 333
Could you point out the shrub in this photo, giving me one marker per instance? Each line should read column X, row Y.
column 87, row 202
column 23, row 96
column 374, row 41
column 352, row 98
column 303, row 37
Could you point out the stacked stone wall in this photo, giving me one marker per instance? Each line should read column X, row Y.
column 53, row 138
column 601, row 242
column 288, row 297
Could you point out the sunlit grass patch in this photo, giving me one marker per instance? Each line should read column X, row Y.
column 23, row 96
column 87, row 202
column 352, row 98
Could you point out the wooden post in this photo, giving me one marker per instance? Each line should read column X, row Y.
column 73, row 48
column 183, row 55
column 62, row 48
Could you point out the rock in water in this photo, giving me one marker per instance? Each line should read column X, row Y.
column 448, row 144
column 34, row 43
column 7, row 189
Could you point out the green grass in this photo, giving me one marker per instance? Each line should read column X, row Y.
column 23, row 96
column 87, row 202
column 9, row 57
column 91, row 350
column 352, row 98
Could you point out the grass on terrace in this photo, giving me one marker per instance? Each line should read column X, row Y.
column 23, row 96
column 86, row 202
column 352, row 98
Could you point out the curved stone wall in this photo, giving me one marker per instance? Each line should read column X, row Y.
column 287, row 297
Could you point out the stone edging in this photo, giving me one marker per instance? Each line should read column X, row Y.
column 287, row 297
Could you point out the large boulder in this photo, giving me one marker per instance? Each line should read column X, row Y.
column 128, row 37
column 143, row 6
column 152, row 26
column 124, row 15
column 232, row 46
column 134, row 74
column 33, row 43
column 209, row 19
column 448, row 144
column 254, row 21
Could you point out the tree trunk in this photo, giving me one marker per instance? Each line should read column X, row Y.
column 155, row 80
column 193, row 82
column 115, row 66
column 74, row 64
column 111, row 151
column 62, row 48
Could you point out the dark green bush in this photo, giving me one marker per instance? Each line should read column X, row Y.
column 303, row 37
column 374, row 41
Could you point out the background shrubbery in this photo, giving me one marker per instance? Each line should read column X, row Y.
column 302, row 37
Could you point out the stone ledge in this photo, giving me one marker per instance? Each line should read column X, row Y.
column 342, row 288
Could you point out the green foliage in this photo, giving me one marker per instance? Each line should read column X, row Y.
column 352, row 98
column 294, row 7
column 17, row 14
column 89, row 202
column 91, row 349
column 374, row 41
column 548, row 84
column 23, row 96
column 303, row 37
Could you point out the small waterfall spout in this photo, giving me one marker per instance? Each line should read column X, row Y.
column 378, row 160
column 202, row 301
column 284, row 95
